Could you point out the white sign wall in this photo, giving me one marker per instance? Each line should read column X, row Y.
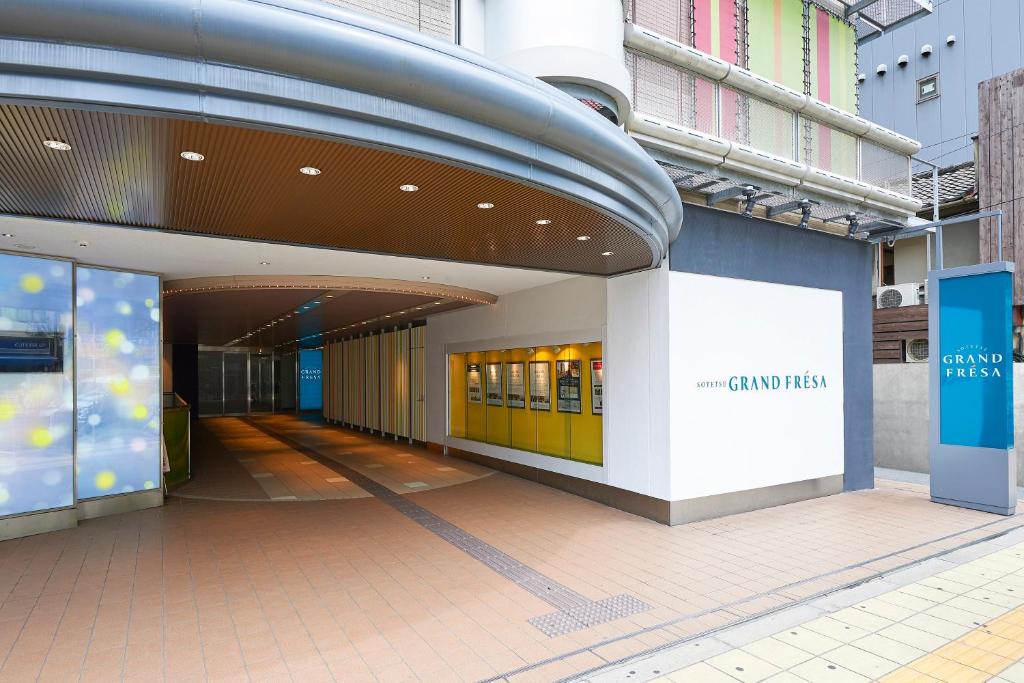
column 756, row 390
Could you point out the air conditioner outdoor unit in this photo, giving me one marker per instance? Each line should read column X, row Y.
column 908, row 294
column 915, row 350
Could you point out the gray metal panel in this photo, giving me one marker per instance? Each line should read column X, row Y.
column 976, row 478
column 1005, row 44
column 317, row 69
column 728, row 245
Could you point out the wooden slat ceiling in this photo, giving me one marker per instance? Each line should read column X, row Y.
column 126, row 170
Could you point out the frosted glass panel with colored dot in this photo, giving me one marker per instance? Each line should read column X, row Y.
column 118, row 317
column 36, row 400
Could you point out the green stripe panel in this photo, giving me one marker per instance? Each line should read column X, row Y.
column 843, row 43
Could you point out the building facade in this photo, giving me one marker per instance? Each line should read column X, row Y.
column 459, row 223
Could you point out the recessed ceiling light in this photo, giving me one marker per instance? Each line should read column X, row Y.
column 58, row 145
column 388, row 315
column 437, row 303
column 408, row 188
column 305, row 308
column 315, row 303
column 192, row 156
column 330, row 296
column 607, row 253
column 485, row 205
column 8, row 234
column 425, row 278
column 543, row 221
column 83, row 245
column 583, row 238
column 264, row 263
column 309, row 170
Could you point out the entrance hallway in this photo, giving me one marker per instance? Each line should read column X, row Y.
column 233, row 459
column 492, row 578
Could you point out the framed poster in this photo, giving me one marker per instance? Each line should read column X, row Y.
column 568, row 373
column 474, row 384
column 596, row 386
column 540, row 385
column 492, row 373
column 515, row 385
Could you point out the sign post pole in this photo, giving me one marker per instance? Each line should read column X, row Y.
column 970, row 343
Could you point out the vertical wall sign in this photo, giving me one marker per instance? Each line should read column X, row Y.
column 474, row 383
column 311, row 377
column 493, row 378
column 569, row 373
column 540, row 385
column 971, row 388
column 515, row 385
column 597, row 386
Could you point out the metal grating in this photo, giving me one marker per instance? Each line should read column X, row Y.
column 667, row 92
column 670, row 18
column 756, row 123
column 884, row 168
column 829, row 149
column 431, row 17
column 126, row 170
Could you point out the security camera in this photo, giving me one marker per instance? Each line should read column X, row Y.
column 862, row 77
column 903, row 60
column 882, row 68
column 950, row 39
column 926, row 50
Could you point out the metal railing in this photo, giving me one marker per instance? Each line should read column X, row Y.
column 672, row 93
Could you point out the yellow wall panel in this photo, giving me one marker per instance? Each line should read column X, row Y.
column 497, row 416
column 587, row 428
column 522, row 421
column 476, row 415
column 553, row 426
column 457, row 395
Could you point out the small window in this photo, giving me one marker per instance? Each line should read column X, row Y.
column 928, row 88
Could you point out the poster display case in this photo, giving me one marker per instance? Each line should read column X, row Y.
column 474, row 384
column 569, row 373
column 540, row 385
column 493, row 379
column 597, row 386
column 515, row 385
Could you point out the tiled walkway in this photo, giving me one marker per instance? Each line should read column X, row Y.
column 964, row 621
column 439, row 583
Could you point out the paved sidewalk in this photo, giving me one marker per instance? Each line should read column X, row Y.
column 955, row 618
column 495, row 578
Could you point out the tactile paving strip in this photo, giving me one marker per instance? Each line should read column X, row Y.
column 575, row 612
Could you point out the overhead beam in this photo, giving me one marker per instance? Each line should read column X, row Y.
column 858, row 6
column 727, row 193
column 786, row 207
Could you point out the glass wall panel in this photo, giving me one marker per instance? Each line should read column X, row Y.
column 36, row 392
column 211, row 383
column 236, row 383
column 284, row 370
column 119, row 356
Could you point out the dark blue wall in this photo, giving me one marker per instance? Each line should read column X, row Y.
column 988, row 44
column 728, row 245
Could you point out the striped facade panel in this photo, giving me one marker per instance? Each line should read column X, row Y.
column 371, row 377
column 355, row 388
column 394, row 362
column 418, row 377
column 327, row 376
column 776, row 41
column 337, row 382
column 833, row 60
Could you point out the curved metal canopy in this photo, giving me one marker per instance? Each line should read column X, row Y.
column 150, row 75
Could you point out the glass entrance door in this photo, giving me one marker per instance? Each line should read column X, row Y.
column 261, row 379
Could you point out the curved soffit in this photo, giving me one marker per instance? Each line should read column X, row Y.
column 317, row 70
column 326, row 282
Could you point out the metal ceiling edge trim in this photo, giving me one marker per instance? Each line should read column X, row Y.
column 303, row 45
column 225, row 283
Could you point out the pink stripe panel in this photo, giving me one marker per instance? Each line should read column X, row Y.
column 727, row 30
column 702, row 25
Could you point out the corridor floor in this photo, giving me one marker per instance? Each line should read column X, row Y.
column 473, row 576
